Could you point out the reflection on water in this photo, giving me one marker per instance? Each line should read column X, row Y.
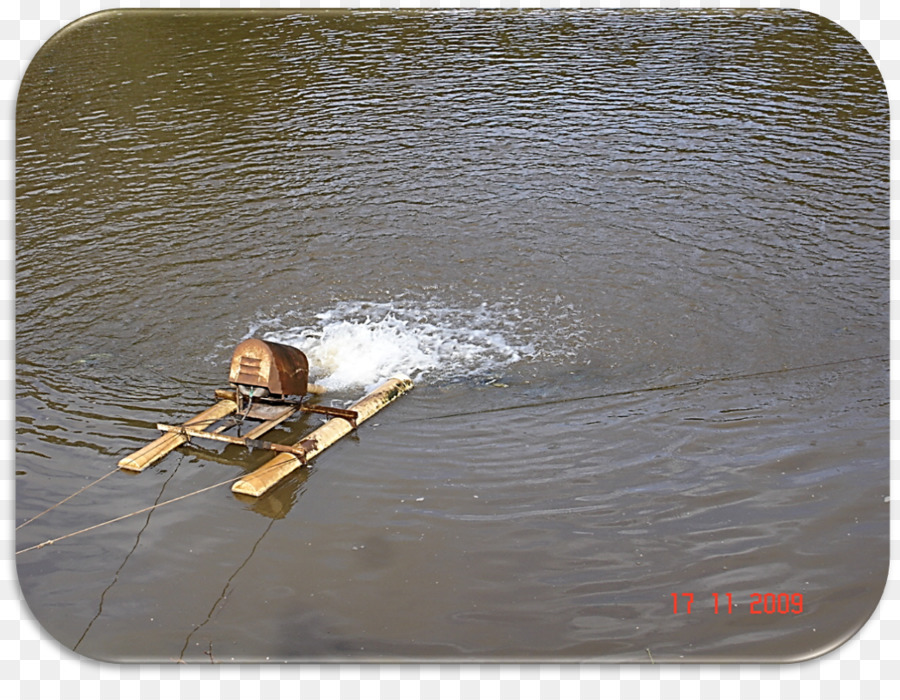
column 636, row 262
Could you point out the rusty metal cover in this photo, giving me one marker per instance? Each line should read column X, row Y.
column 279, row 368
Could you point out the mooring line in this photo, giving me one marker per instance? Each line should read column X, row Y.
column 643, row 390
column 128, row 515
column 223, row 596
column 623, row 392
column 67, row 498
column 71, row 496
column 127, row 557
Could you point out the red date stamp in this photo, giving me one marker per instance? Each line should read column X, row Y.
column 759, row 603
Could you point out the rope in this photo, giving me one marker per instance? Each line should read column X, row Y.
column 678, row 385
column 663, row 387
column 123, row 517
column 81, row 490
column 67, row 498
column 97, row 481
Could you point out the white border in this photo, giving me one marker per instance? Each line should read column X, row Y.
column 32, row 664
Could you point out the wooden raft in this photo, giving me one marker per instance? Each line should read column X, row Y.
column 159, row 448
column 290, row 457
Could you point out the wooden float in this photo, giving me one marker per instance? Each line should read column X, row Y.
column 321, row 438
column 264, row 376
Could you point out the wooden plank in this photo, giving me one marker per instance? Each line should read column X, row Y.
column 159, row 448
column 264, row 428
column 245, row 441
column 321, row 438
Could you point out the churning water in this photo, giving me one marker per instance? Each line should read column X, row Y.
column 358, row 344
column 635, row 261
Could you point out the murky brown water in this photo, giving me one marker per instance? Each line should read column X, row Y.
column 636, row 261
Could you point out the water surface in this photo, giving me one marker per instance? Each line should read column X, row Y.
column 635, row 261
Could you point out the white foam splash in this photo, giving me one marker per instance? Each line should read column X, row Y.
column 358, row 344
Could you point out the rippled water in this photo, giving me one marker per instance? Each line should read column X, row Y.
column 635, row 261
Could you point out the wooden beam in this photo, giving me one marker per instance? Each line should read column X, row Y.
column 159, row 448
column 259, row 409
column 245, row 441
column 248, row 440
column 321, row 438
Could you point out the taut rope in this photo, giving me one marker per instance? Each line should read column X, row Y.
column 128, row 515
